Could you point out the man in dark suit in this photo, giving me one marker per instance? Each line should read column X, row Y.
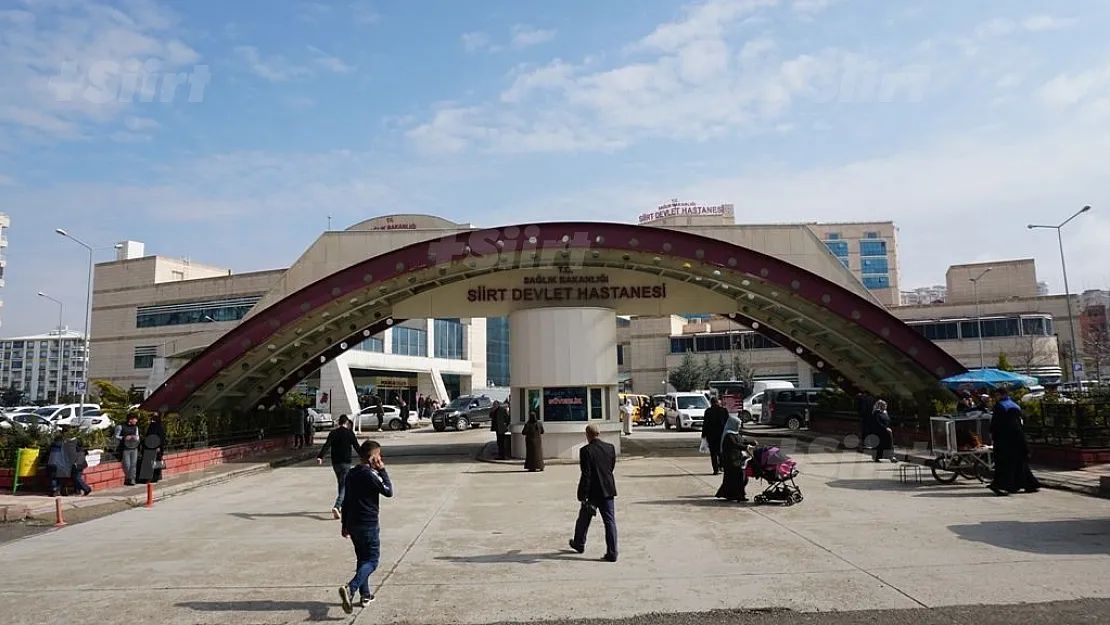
column 713, row 430
column 499, row 423
column 596, row 490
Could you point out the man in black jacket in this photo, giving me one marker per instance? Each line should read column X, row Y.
column 713, row 430
column 366, row 484
column 596, row 490
column 499, row 422
column 341, row 442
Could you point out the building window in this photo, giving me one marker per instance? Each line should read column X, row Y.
column 144, row 356
column 832, row 236
column 992, row 328
column 876, row 265
column 373, row 344
column 597, row 405
column 497, row 351
column 838, row 248
column 872, row 248
column 1036, row 326
column 620, row 355
column 195, row 312
column 938, row 330
column 450, row 339
column 703, row 343
column 876, row 282
column 410, row 342
column 870, row 235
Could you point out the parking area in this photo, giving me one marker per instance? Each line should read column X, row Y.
column 463, row 542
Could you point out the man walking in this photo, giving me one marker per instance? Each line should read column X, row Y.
column 713, row 430
column 499, row 423
column 596, row 490
column 341, row 442
column 366, row 484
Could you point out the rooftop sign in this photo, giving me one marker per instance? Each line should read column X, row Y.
column 674, row 208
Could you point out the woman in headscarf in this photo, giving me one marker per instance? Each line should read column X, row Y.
column 734, row 461
column 155, row 446
column 533, row 443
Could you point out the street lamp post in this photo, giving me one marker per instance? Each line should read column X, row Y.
column 88, row 313
column 979, row 315
column 1067, row 291
column 61, row 358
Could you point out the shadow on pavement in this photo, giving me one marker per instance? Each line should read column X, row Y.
column 247, row 516
column 1071, row 537
column 513, row 557
column 703, row 501
column 891, row 484
column 317, row 611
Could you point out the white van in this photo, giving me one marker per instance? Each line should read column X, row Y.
column 64, row 414
column 753, row 404
column 685, row 411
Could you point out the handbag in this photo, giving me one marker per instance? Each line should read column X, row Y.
column 589, row 509
column 704, row 447
column 159, row 465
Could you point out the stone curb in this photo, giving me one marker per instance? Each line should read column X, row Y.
column 47, row 511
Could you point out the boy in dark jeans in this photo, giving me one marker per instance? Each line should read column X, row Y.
column 365, row 485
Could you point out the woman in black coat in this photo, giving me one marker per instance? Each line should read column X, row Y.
column 154, row 443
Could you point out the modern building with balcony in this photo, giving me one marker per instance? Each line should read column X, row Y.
column 45, row 367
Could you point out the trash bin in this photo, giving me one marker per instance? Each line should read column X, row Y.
column 26, row 465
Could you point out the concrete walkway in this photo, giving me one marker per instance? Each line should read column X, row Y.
column 470, row 542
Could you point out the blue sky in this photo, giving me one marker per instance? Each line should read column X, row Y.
column 960, row 121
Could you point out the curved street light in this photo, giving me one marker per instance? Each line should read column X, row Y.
column 1067, row 291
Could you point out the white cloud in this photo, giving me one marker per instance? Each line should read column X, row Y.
column 1065, row 90
column 69, row 68
column 278, row 68
column 809, row 8
column 7, row 181
column 1039, row 23
column 690, row 80
column 525, row 36
column 364, row 12
column 475, row 41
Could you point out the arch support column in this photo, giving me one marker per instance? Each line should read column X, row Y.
column 563, row 366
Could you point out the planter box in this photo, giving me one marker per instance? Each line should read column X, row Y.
column 109, row 473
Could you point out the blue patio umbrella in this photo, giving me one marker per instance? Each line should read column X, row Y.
column 987, row 378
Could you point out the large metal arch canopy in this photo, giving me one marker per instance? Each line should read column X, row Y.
column 826, row 325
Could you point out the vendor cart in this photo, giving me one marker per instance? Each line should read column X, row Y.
column 962, row 447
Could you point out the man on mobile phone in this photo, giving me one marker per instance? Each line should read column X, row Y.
column 365, row 486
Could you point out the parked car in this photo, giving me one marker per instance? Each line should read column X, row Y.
column 685, row 411
column 789, row 407
column 391, row 415
column 320, row 420
column 463, row 413
column 30, row 419
column 64, row 414
column 753, row 408
column 94, row 420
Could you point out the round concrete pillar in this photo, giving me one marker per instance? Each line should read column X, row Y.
column 563, row 365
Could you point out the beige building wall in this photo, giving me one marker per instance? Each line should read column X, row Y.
column 1002, row 280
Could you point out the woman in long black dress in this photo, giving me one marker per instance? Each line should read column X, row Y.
column 154, row 443
column 733, row 463
column 1011, row 449
column 533, row 444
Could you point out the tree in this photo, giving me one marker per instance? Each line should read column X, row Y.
column 134, row 395
column 113, row 399
column 1033, row 354
column 714, row 371
column 1003, row 363
column 1096, row 351
column 293, row 399
column 12, row 397
column 687, row 376
column 743, row 373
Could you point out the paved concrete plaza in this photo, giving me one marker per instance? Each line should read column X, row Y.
column 469, row 542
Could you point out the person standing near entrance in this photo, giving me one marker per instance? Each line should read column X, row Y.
column 366, row 484
column 626, row 416
column 533, row 444
column 499, row 423
column 713, row 429
column 341, row 442
column 298, row 429
column 597, row 489
column 404, row 414
column 127, row 447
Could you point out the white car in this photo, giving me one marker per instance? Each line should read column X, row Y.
column 320, row 420
column 64, row 414
column 29, row 419
column 685, row 411
column 94, row 420
column 368, row 418
column 753, row 408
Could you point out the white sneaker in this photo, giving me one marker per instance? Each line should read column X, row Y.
column 335, row 513
column 345, row 598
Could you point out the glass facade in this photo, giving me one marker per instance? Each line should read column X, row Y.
column 872, row 247
column 195, row 312
column 838, row 248
column 497, row 351
column 874, row 265
column 144, row 356
column 450, row 339
column 876, row 282
column 373, row 344
column 993, row 327
column 720, row 342
column 410, row 342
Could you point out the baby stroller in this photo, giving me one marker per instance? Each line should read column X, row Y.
column 772, row 465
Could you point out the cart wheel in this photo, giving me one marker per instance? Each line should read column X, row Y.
column 984, row 473
column 942, row 471
column 760, row 499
